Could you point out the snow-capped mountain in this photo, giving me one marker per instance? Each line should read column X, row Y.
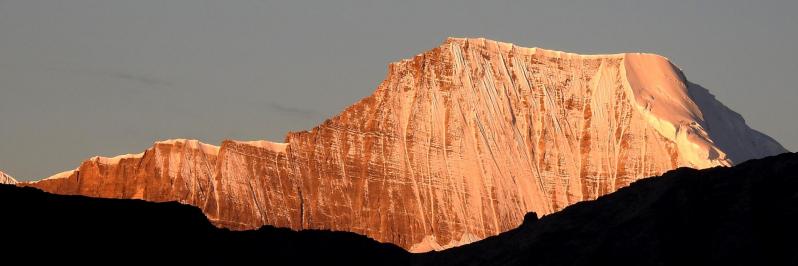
column 456, row 144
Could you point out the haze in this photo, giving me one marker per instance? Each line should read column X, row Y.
column 104, row 77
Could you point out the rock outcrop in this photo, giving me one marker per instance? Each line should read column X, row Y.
column 6, row 179
column 455, row 145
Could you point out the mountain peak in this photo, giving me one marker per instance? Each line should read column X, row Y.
column 456, row 144
column 507, row 46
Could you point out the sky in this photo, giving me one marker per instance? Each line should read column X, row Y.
column 80, row 78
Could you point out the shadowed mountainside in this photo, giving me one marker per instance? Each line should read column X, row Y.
column 743, row 215
column 42, row 227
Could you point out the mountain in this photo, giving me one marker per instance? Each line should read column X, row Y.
column 455, row 145
column 6, row 179
column 43, row 228
column 743, row 215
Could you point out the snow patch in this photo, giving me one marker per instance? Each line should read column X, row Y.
column 115, row 160
column 64, row 174
column 192, row 143
column 661, row 95
column 273, row 146
column 505, row 46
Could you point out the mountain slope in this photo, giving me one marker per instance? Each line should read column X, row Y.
column 744, row 215
column 455, row 145
column 6, row 179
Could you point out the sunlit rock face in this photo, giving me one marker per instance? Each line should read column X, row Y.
column 6, row 179
column 455, row 145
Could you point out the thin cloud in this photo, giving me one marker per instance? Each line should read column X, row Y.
column 293, row 111
column 146, row 80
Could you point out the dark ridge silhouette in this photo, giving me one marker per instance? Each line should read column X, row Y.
column 743, row 215
column 74, row 230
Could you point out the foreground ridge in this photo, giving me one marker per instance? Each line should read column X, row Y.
column 92, row 231
column 743, row 215
column 455, row 145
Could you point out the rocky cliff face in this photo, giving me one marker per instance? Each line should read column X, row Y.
column 6, row 179
column 455, row 145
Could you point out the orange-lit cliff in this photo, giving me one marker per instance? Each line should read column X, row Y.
column 455, row 145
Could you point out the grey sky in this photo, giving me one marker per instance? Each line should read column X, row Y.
column 104, row 77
